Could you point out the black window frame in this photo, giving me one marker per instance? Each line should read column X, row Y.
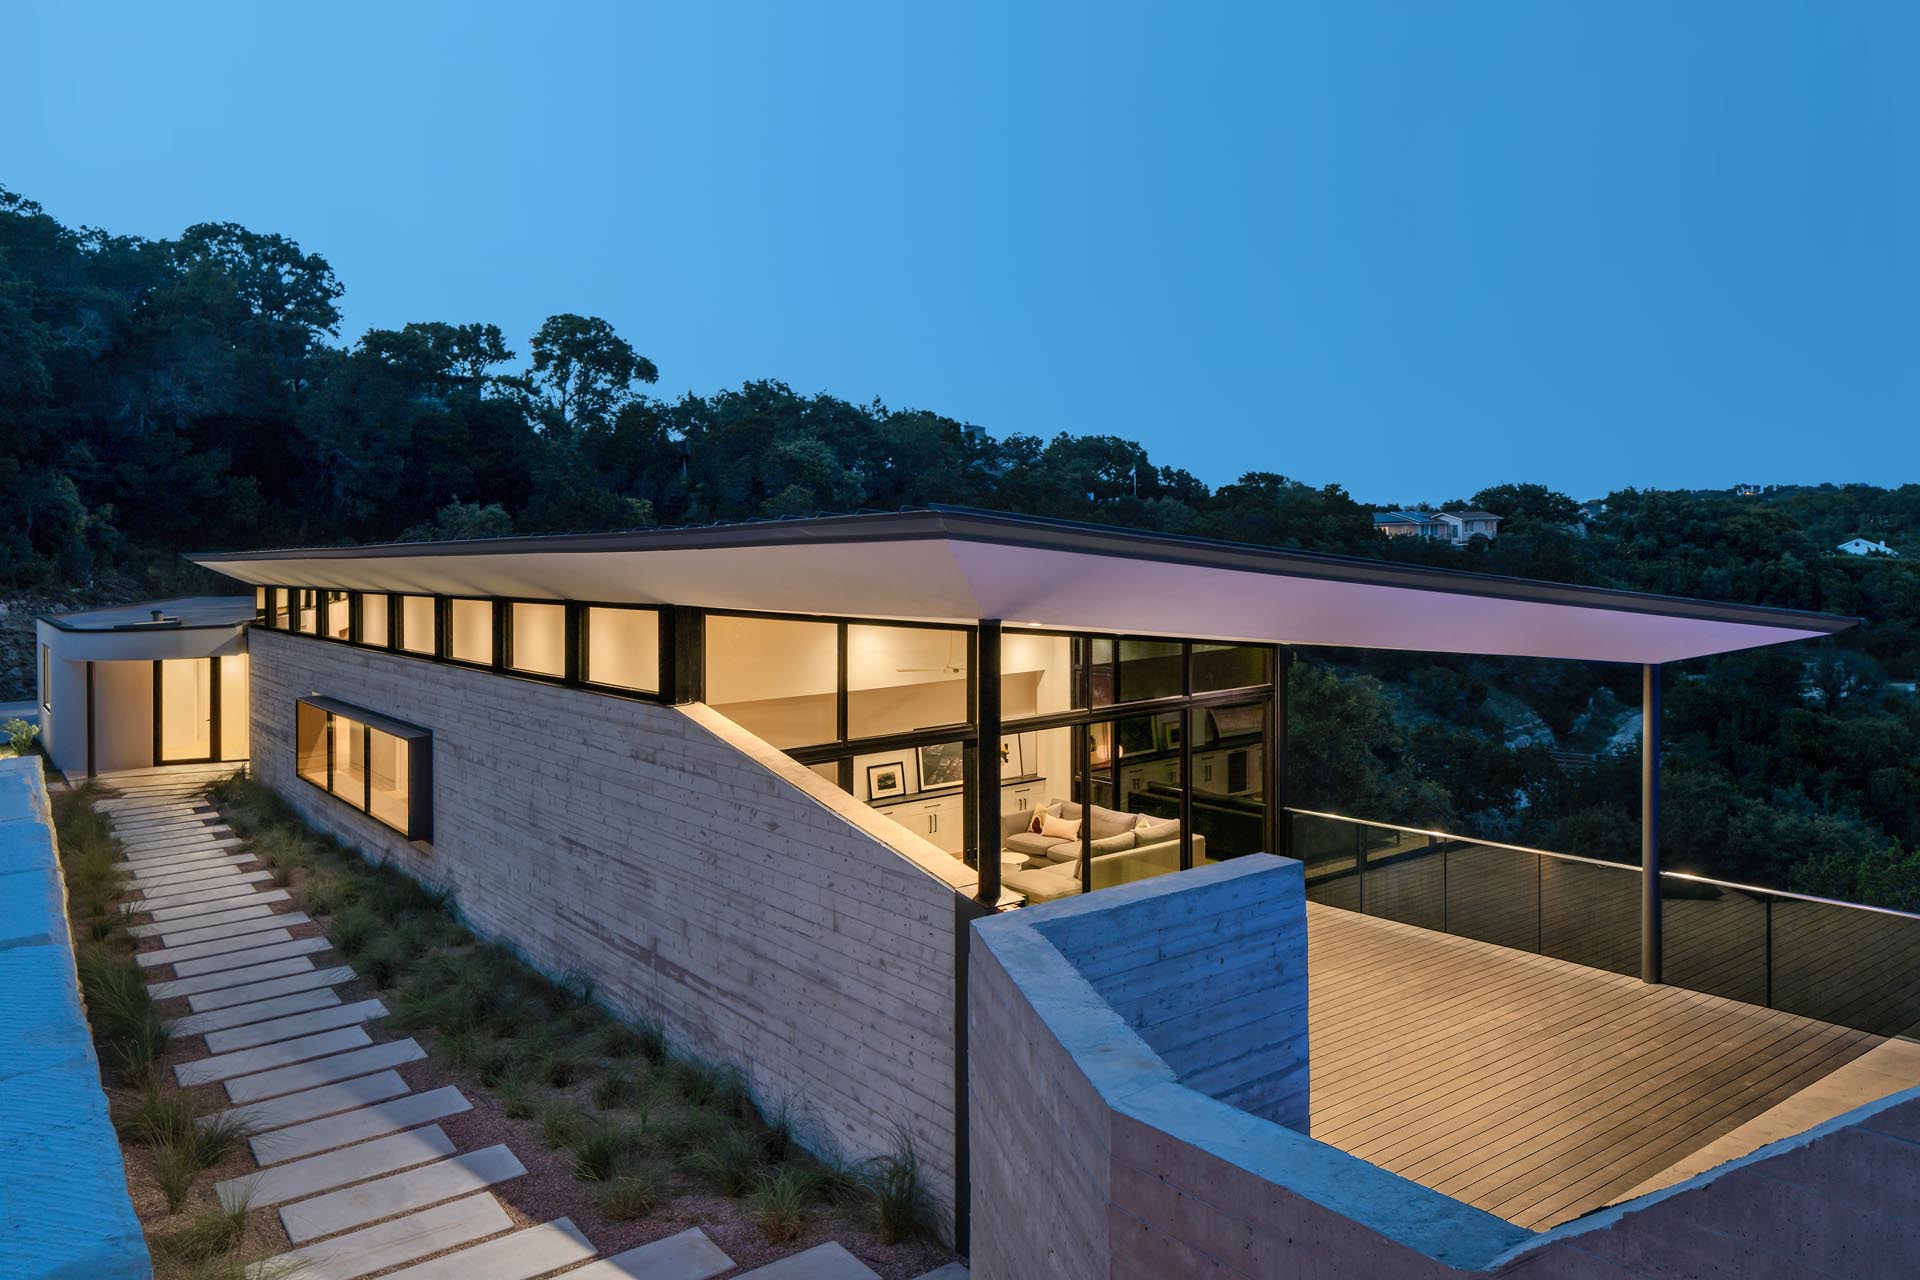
column 419, row 740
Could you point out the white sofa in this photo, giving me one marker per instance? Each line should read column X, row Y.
column 1126, row 847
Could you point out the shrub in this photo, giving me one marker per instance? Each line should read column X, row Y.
column 778, row 1205
column 175, row 1166
column 210, row 1235
column 618, row 1087
column 132, row 1035
column 353, row 928
column 20, row 734
column 561, row 1123
column 634, row 1193
column 161, row 1115
column 599, row 1150
column 684, row 1129
column 733, row 1165
column 900, row 1204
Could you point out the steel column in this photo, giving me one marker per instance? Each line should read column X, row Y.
column 986, row 772
column 1650, row 959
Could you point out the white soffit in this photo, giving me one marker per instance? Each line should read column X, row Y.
column 958, row 569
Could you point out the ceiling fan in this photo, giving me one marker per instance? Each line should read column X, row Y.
column 951, row 667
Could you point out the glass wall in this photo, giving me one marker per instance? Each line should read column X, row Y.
column 902, row 679
column 387, row 778
column 235, row 716
column 277, row 605
column 1229, row 779
column 537, row 638
column 622, row 648
column 419, row 624
column 775, row 677
column 470, row 636
column 1038, row 674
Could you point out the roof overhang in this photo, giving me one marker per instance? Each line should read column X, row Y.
column 948, row 565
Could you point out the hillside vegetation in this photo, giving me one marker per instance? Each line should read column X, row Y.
column 196, row 392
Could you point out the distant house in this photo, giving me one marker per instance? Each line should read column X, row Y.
column 1465, row 526
column 1863, row 547
column 1456, row 528
column 1409, row 524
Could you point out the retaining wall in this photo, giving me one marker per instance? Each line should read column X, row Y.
column 64, row 1209
column 695, row 874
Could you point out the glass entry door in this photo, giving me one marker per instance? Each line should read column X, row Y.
column 186, row 705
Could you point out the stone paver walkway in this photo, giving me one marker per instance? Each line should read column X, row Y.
column 348, row 1155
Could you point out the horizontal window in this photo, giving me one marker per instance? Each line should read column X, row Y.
column 277, row 598
column 470, row 638
column 339, row 615
column 380, row 766
column 419, row 624
column 537, row 638
column 373, row 619
column 306, row 612
column 622, row 648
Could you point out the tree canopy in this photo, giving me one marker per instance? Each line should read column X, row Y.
column 165, row 395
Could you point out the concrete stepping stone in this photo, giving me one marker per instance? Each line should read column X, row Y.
column 297, row 1141
column 829, row 1261
column 162, row 901
column 247, row 1062
column 952, row 1271
column 235, row 886
column 194, row 1024
column 226, row 915
column 250, row 992
column 162, row 863
column 179, row 845
column 191, row 933
column 521, row 1256
column 398, row 1193
column 341, row 1066
column 310, row 1104
column 173, row 881
column 269, row 949
column 299, row 1024
column 259, row 897
column 128, row 827
column 370, row 1249
column 687, row 1256
column 218, row 947
column 230, row 978
column 299, row 1179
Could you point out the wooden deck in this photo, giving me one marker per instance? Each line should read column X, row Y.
column 1531, row 1087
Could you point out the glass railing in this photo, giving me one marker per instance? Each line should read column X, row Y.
column 1836, row 961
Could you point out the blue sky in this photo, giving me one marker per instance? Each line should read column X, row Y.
column 1410, row 248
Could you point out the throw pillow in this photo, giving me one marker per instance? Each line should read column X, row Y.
column 1059, row 828
column 1158, row 830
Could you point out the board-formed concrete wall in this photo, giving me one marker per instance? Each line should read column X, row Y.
column 693, row 873
column 64, row 1209
column 1119, row 1168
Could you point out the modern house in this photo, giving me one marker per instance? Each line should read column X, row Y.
column 1865, row 547
column 1456, row 528
column 787, row 786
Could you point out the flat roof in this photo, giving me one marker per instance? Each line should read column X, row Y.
column 181, row 613
column 950, row 564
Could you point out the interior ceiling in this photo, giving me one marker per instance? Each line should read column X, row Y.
column 953, row 578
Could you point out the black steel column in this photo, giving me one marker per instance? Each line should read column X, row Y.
column 1279, row 822
column 986, row 779
column 1650, row 822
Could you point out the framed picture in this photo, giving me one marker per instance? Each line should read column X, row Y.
column 889, row 779
column 1169, row 731
column 942, row 765
column 1013, row 761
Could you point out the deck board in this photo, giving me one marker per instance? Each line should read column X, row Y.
column 1532, row 1087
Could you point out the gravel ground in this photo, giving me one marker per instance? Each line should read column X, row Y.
column 547, row 1191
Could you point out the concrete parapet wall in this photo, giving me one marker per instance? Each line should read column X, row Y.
column 1094, row 1158
column 64, row 1209
column 694, row 874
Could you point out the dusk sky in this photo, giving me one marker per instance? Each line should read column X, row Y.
column 1414, row 249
